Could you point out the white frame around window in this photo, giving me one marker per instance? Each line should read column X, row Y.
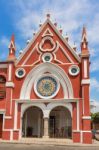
column 17, row 75
column 47, row 54
column 70, row 70
column 46, row 97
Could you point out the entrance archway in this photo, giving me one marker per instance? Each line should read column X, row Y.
column 60, row 123
column 32, row 122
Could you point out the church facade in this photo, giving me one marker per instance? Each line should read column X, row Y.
column 44, row 93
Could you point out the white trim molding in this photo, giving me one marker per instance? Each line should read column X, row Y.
column 75, row 130
column 48, row 49
column 10, row 72
column 45, row 55
column 17, row 71
column 83, row 131
column 74, row 67
column 85, row 81
column 85, row 69
column 2, row 111
column 47, row 34
column 29, row 55
column 8, row 117
column 3, row 66
column 64, row 51
column 86, row 117
column 10, row 84
column 77, row 105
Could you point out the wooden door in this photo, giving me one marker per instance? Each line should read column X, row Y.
column 1, row 123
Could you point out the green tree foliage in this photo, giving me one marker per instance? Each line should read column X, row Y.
column 95, row 117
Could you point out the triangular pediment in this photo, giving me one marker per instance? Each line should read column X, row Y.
column 47, row 40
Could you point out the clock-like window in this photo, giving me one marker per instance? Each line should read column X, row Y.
column 46, row 86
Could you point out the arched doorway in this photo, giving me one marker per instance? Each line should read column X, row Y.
column 60, row 123
column 32, row 122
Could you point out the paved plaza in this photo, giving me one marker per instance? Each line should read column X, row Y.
column 42, row 144
column 8, row 146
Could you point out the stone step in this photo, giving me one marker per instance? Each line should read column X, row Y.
column 46, row 141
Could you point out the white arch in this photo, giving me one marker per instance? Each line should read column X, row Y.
column 46, row 109
column 51, row 106
column 38, row 105
column 40, row 69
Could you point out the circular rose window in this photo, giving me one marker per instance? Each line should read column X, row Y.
column 46, row 86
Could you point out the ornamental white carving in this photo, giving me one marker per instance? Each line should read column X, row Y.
column 47, row 38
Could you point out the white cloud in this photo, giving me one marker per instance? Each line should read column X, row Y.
column 70, row 14
column 94, row 65
column 94, row 106
column 94, row 84
column 94, row 30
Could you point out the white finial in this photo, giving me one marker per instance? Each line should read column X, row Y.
column 55, row 23
column 60, row 30
column 20, row 52
column 34, row 33
column 67, row 37
column 74, row 46
column 40, row 24
column 28, row 41
column 48, row 15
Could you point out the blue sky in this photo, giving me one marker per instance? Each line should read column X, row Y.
column 22, row 17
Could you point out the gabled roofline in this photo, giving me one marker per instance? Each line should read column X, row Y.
column 65, row 42
column 32, row 40
column 57, row 32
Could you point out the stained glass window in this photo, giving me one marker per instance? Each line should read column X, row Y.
column 47, row 86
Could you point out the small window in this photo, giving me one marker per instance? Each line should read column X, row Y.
column 47, row 57
column 2, row 87
column 20, row 73
column 74, row 70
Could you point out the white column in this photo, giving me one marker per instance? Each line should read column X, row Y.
column 46, row 128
